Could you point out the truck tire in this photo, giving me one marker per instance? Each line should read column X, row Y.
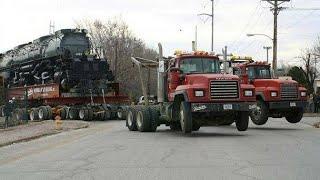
column 143, row 119
column 174, row 126
column 33, row 115
column 43, row 113
column 242, row 122
column 131, row 119
column 259, row 115
column 154, row 120
column 295, row 116
column 185, row 117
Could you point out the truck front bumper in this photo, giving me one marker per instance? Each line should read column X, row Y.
column 287, row 104
column 221, row 107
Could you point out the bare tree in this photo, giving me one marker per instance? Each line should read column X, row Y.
column 114, row 41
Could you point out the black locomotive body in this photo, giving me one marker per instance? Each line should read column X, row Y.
column 63, row 58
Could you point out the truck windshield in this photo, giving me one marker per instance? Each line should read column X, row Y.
column 259, row 72
column 199, row 65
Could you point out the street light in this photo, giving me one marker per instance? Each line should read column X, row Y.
column 250, row 35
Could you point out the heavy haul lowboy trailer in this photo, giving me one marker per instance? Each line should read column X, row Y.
column 44, row 102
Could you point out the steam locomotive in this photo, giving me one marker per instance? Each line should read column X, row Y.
column 62, row 58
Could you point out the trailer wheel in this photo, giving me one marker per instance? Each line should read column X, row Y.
column 63, row 113
column 73, row 114
column 84, row 114
column 50, row 114
column 1, row 111
column 259, row 115
column 295, row 116
column 121, row 114
column 143, row 119
column 34, row 114
column 185, row 117
column 131, row 119
column 242, row 121
column 43, row 113
column 154, row 119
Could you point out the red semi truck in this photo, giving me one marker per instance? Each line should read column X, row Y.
column 276, row 98
column 192, row 92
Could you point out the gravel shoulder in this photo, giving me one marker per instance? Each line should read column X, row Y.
column 34, row 130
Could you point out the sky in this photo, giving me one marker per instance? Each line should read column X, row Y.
column 172, row 23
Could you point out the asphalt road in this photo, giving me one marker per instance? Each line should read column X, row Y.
column 108, row 150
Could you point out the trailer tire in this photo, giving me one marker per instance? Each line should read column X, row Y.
column 73, row 114
column 154, row 119
column 131, row 119
column 34, row 114
column 259, row 115
column 185, row 117
column 242, row 122
column 50, row 113
column 43, row 113
column 295, row 116
column 84, row 114
column 121, row 114
column 143, row 119
column 63, row 113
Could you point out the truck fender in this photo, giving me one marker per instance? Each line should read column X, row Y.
column 180, row 94
column 261, row 95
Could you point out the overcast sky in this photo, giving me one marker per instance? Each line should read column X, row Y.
column 172, row 23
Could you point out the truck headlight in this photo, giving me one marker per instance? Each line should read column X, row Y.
column 274, row 94
column 199, row 93
column 303, row 94
column 248, row 93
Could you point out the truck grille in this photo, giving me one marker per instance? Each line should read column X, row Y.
column 289, row 91
column 224, row 89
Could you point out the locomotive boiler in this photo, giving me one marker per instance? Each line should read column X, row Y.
column 62, row 58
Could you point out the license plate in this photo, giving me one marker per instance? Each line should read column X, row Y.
column 227, row 106
column 293, row 104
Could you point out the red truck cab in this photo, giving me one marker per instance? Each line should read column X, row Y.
column 214, row 98
column 276, row 98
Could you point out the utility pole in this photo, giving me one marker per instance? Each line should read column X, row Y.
column 212, row 24
column 276, row 10
column 267, row 48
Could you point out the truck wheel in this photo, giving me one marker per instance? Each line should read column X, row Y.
column 242, row 121
column 185, row 117
column 34, row 116
column 295, row 116
column 259, row 115
column 154, row 118
column 131, row 119
column 175, row 126
column 43, row 113
column 143, row 119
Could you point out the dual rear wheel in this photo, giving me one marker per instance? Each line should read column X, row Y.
column 143, row 119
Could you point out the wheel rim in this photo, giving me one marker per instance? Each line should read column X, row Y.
column 32, row 115
column 181, row 118
column 139, row 120
column 81, row 114
column 130, row 119
column 119, row 114
column 41, row 114
column 257, row 112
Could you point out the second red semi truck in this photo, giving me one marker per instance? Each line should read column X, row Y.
column 276, row 97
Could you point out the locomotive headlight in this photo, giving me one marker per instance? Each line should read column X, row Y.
column 303, row 94
column 199, row 93
column 248, row 93
column 274, row 94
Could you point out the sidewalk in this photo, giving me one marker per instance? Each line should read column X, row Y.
column 35, row 130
